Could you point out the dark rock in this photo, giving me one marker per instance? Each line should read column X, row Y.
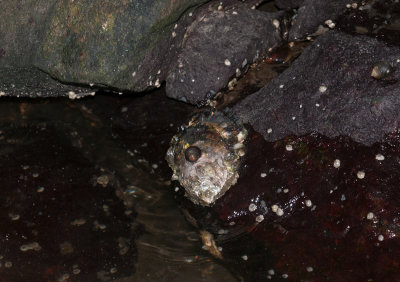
column 215, row 45
column 294, row 214
column 378, row 19
column 120, row 45
column 288, row 4
column 60, row 216
column 353, row 104
column 32, row 82
column 314, row 13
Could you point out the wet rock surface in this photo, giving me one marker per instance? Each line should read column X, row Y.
column 217, row 45
column 329, row 89
column 310, row 208
column 314, row 13
column 61, row 219
column 85, row 192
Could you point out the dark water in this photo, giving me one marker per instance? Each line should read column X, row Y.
column 85, row 193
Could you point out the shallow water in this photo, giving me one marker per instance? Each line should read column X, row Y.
column 86, row 193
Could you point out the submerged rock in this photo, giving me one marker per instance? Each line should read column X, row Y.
column 60, row 217
column 327, row 209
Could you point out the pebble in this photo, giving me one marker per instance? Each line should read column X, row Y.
column 380, row 238
column 379, row 157
column 244, row 257
column 308, row 203
column 263, row 175
column 227, row 62
column 289, row 147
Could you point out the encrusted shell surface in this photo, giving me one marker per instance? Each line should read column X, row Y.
column 221, row 141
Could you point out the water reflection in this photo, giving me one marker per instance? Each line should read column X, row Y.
column 85, row 193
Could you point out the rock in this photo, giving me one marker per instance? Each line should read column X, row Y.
column 57, row 221
column 294, row 214
column 31, row 82
column 215, row 45
column 288, row 4
column 314, row 13
column 329, row 89
column 120, row 45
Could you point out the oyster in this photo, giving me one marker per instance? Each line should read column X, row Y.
column 206, row 154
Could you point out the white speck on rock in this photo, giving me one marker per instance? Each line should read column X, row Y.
column 252, row 207
column 260, row 218
column 72, row 95
column 379, row 157
column 276, row 23
column 308, row 203
column 227, row 62
column 263, row 174
column 336, row 163
column 289, row 147
column 370, row 216
column 380, row 238
column 360, row 174
column 245, row 257
column 269, row 131
column 310, row 269
column 322, row 88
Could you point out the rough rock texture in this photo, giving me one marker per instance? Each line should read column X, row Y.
column 314, row 13
column 31, row 82
column 288, row 4
column 119, row 44
column 353, row 104
column 215, row 46
column 294, row 216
